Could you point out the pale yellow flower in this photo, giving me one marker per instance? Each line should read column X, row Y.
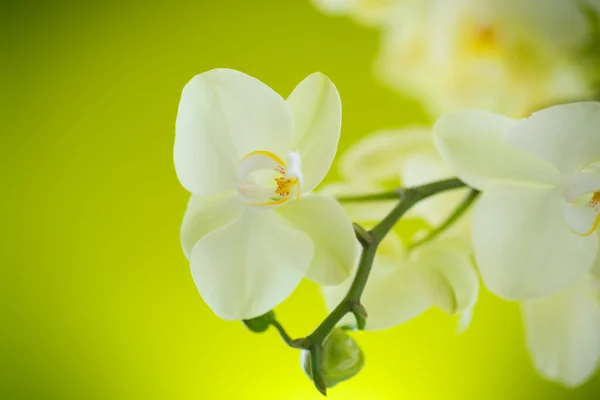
column 507, row 56
column 368, row 12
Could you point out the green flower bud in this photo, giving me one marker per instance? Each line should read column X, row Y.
column 341, row 358
column 259, row 324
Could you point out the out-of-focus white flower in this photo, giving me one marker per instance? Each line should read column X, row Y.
column 251, row 230
column 532, row 228
column 387, row 160
column 369, row 12
column 404, row 284
column 563, row 331
column 506, row 56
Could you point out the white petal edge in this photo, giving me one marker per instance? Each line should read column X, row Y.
column 205, row 214
column 563, row 334
column 581, row 182
column 380, row 156
column 523, row 246
column 223, row 115
column 595, row 272
column 472, row 145
column 327, row 224
column 566, row 135
column 449, row 278
column 394, row 293
column 581, row 219
column 317, row 110
column 250, row 266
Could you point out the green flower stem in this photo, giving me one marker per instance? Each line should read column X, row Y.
column 284, row 335
column 452, row 218
column 392, row 195
column 369, row 241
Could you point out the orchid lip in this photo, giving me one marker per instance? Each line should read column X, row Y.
column 262, row 192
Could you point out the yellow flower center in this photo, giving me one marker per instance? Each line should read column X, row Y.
column 595, row 200
column 257, row 191
column 593, row 204
column 485, row 40
column 285, row 186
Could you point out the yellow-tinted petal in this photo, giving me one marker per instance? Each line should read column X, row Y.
column 317, row 111
column 523, row 246
column 205, row 214
column 394, row 292
column 563, row 333
column 449, row 278
column 567, row 136
column 251, row 265
column 326, row 223
column 223, row 115
column 471, row 143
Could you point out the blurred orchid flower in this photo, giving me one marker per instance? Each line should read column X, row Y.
column 369, row 12
column 387, row 160
column 506, row 56
column 532, row 229
column 563, row 331
column 403, row 284
column 251, row 230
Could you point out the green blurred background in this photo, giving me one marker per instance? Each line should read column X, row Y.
column 97, row 297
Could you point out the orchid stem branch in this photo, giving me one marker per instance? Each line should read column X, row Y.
column 452, row 218
column 369, row 240
column 284, row 335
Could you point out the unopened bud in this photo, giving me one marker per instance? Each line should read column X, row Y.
column 259, row 324
column 341, row 358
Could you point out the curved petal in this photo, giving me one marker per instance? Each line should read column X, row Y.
column 565, row 135
column 581, row 183
column 523, row 246
column 246, row 268
column 317, row 110
column 381, row 156
column 464, row 319
column 563, row 334
column 394, row 292
column 391, row 300
column 205, row 214
column 449, row 278
column 582, row 219
column 471, row 143
column 326, row 223
column 367, row 12
column 223, row 115
column 595, row 272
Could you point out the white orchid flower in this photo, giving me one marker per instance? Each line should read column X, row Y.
column 506, row 56
column 563, row 331
column 404, row 284
column 250, row 159
column 532, row 228
column 368, row 12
